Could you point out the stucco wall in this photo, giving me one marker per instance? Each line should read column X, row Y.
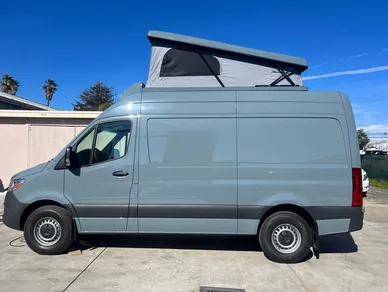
column 25, row 142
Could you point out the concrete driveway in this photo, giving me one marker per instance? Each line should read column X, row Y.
column 184, row 263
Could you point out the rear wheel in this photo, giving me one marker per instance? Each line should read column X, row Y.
column 285, row 237
column 49, row 230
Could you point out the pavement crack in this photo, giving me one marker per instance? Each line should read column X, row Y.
column 79, row 275
column 300, row 280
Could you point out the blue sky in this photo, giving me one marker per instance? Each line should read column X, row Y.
column 77, row 43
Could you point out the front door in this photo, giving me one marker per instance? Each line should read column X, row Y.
column 99, row 184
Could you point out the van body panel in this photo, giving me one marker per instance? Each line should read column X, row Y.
column 45, row 185
column 210, row 160
column 351, row 131
column 247, row 226
column 190, row 162
column 284, row 154
column 102, row 225
column 164, row 97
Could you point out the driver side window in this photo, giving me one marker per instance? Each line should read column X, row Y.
column 109, row 143
column 84, row 149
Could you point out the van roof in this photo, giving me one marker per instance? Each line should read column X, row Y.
column 168, row 39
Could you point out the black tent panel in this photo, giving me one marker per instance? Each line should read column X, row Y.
column 178, row 62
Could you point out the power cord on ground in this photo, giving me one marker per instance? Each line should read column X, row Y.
column 21, row 238
column 79, row 275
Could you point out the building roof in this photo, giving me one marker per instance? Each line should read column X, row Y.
column 49, row 114
column 25, row 103
column 160, row 38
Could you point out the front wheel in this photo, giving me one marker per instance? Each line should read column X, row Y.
column 285, row 237
column 49, row 230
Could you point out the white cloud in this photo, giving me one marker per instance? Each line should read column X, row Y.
column 358, row 56
column 375, row 129
column 349, row 72
column 342, row 59
column 319, row 65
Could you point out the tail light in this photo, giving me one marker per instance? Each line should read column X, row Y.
column 357, row 196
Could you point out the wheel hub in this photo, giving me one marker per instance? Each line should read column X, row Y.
column 47, row 231
column 286, row 238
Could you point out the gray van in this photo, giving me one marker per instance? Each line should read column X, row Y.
column 221, row 140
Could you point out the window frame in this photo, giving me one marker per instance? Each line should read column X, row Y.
column 95, row 127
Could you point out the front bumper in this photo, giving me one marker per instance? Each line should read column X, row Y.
column 13, row 210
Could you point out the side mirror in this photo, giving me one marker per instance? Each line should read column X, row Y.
column 67, row 157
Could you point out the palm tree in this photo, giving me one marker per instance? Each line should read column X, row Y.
column 9, row 84
column 14, row 87
column 6, row 83
column 49, row 89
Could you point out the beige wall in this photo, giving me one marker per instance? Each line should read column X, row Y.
column 25, row 142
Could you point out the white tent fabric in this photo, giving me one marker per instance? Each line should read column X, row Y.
column 233, row 73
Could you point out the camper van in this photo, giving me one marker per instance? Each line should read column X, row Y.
column 220, row 140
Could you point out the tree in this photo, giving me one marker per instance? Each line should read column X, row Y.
column 362, row 138
column 14, row 87
column 9, row 84
column 49, row 89
column 95, row 98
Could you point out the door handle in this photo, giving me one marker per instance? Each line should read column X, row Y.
column 120, row 173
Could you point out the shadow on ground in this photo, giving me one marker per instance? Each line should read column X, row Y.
column 200, row 242
column 339, row 243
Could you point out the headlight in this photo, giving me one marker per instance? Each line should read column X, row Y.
column 16, row 184
column 365, row 177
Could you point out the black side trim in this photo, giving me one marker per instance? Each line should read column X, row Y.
column 102, row 211
column 252, row 212
column 188, row 211
column 340, row 212
column 213, row 212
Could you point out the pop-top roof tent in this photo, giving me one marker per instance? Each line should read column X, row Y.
column 183, row 61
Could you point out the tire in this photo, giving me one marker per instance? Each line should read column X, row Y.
column 56, row 223
column 284, row 227
column 364, row 194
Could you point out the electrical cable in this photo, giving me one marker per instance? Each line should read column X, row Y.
column 79, row 275
column 11, row 243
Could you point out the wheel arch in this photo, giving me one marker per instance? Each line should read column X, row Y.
column 41, row 203
column 302, row 212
